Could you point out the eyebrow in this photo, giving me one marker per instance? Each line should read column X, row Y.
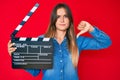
column 63, row 15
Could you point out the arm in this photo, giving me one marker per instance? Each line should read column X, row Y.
column 99, row 40
column 34, row 72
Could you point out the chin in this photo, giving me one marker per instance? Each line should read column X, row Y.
column 63, row 29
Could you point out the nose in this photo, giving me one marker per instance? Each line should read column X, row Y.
column 61, row 19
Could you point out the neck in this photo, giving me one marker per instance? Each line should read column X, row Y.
column 60, row 36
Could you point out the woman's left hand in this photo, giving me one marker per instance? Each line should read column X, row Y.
column 84, row 27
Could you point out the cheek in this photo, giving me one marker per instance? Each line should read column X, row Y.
column 56, row 24
column 67, row 22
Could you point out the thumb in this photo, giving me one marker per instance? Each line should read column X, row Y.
column 80, row 33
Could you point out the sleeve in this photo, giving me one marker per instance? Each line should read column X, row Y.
column 34, row 72
column 99, row 40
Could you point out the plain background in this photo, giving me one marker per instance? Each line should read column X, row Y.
column 93, row 65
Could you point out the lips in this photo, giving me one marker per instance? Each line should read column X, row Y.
column 62, row 24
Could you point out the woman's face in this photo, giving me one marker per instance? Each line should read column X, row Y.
column 62, row 22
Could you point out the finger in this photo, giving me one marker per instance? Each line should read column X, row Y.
column 9, row 42
column 80, row 28
column 11, row 50
column 10, row 45
column 82, row 23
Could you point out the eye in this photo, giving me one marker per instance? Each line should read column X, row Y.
column 66, row 16
column 58, row 16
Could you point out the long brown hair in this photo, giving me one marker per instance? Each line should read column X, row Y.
column 70, row 33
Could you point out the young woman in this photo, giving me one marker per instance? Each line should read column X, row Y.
column 66, row 46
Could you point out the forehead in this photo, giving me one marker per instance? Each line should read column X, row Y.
column 61, row 11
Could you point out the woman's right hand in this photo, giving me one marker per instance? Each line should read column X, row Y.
column 10, row 48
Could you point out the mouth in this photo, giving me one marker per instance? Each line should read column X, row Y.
column 62, row 24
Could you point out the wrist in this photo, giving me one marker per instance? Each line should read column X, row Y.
column 91, row 29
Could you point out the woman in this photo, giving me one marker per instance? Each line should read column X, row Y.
column 66, row 46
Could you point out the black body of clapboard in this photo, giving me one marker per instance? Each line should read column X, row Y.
column 31, row 53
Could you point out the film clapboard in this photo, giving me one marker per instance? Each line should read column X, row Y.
column 31, row 53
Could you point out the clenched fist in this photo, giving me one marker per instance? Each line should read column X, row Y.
column 84, row 27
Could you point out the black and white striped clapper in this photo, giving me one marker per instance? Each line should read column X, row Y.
column 31, row 53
